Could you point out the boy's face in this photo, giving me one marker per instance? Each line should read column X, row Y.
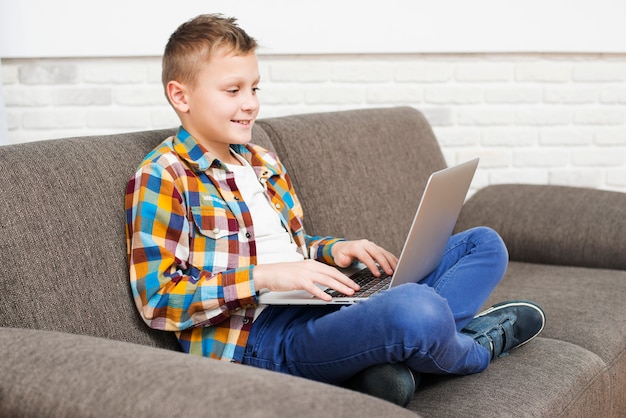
column 221, row 108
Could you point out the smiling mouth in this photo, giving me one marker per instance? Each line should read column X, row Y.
column 242, row 122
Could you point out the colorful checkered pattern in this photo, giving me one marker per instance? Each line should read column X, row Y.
column 191, row 243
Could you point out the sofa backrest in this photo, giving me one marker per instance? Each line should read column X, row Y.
column 62, row 236
column 358, row 174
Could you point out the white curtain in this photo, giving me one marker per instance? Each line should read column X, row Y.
column 4, row 134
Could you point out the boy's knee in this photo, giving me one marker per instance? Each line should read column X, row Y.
column 418, row 309
column 491, row 243
column 488, row 237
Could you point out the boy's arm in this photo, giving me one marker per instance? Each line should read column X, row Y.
column 169, row 293
column 341, row 253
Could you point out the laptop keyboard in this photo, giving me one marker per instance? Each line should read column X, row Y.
column 369, row 283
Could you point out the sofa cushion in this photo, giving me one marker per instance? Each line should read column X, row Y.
column 547, row 378
column 584, row 307
column 50, row 374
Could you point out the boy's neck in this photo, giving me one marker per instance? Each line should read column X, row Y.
column 236, row 159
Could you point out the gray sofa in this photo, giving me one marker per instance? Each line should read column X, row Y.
column 73, row 345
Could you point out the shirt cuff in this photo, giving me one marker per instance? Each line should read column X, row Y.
column 238, row 288
column 322, row 250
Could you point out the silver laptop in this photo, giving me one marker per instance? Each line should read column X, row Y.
column 423, row 249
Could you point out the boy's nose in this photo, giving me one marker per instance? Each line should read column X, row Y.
column 251, row 103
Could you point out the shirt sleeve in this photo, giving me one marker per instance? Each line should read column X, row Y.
column 169, row 293
column 320, row 248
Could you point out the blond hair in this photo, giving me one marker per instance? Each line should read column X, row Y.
column 195, row 41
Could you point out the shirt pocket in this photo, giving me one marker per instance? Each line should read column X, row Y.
column 214, row 222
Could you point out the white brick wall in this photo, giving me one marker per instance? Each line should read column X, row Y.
column 533, row 118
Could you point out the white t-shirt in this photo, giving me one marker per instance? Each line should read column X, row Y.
column 273, row 242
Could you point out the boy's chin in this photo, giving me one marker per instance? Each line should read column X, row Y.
column 241, row 137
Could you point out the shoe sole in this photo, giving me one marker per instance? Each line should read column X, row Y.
column 512, row 303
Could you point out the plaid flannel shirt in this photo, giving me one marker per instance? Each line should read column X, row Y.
column 191, row 243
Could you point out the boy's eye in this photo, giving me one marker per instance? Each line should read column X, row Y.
column 235, row 91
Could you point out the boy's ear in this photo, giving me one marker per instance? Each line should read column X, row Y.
column 176, row 94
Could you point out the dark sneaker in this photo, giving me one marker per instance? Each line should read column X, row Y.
column 392, row 382
column 506, row 325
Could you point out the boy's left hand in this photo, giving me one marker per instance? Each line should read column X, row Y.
column 370, row 254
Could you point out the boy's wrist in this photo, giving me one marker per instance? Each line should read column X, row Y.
column 258, row 277
column 333, row 249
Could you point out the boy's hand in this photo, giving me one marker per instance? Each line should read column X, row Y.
column 370, row 254
column 302, row 275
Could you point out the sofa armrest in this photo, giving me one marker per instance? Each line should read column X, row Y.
column 553, row 224
column 44, row 373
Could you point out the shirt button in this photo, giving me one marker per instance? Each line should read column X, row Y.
column 277, row 205
column 216, row 231
column 245, row 320
column 236, row 197
column 248, row 235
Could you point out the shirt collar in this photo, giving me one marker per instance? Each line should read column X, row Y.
column 199, row 158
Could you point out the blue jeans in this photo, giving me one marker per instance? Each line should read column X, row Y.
column 416, row 323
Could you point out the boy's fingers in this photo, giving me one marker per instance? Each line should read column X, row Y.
column 316, row 291
column 325, row 275
column 388, row 265
column 319, row 293
column 341, row 283
column 385, row 260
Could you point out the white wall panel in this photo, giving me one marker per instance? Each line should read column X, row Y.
column 78, row 28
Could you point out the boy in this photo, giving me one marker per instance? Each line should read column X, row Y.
column 212, row 220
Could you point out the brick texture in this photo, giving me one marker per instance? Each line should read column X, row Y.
column 532, row 118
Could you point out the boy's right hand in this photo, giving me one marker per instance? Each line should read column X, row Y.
column 302, row 275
